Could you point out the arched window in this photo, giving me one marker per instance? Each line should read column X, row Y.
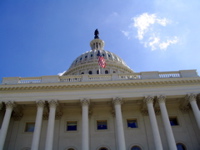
column 136, row 148
column 180, row 146
column 26, row 148
column 82, row 72
column 90, row 72
column 106, row 72
column 97, row 71
column 103, row 148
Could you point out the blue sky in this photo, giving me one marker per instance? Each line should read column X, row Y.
column 43, row 37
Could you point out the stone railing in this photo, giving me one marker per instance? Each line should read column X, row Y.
column 101, row 77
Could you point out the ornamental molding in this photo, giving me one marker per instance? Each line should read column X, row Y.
column 17, row 113
column 149, row 99
column 85, row 102
column 161, row 98
column 53, row 103
column 117, row 101
column 10, row 105
column 101, row 84
column 191, row 97
column 40, row 103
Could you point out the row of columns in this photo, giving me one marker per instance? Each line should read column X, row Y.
column 117, row 102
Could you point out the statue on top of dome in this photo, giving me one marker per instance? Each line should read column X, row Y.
column 96, row 34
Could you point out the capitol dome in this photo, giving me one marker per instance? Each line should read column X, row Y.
column 87, row 63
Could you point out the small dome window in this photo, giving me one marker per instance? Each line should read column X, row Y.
column 82, row 72
column 86, row 56
column 103, row 148
column 136, row 148
column 91, row 55
column 90, row 72
column 180, row 146
column 106, row 72
column 109, row 55
column 103, row 54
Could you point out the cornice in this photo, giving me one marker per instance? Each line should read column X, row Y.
column 102, row 84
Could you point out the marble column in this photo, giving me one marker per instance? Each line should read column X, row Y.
column 166, row 123
column 154, row 125
column 119, row 123
column 85, row 124
column 50, row 128
column 195, row 109
column 38, row 125
column 6, row 120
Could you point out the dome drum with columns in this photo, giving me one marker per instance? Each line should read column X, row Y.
column 87, row 63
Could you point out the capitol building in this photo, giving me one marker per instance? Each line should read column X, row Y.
column 90, row 107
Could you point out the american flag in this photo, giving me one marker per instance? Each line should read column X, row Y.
column 101, row 60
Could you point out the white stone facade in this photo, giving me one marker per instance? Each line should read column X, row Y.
column 89, row 101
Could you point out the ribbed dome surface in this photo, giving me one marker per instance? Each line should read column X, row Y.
column 87, row 63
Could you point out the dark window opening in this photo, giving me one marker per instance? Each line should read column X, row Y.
column 136, row 148
column 97, row 71
column 71, row 125
column 106, row 72
column 30, row 126
column 173, row 121
column 132, row 123
column 180, row 146
column 90, row 72
column 103, row 148
column 82, row 72
column 102, row 124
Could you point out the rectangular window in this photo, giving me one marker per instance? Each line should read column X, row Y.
column 132, row 123
column 102, row 125
column 30, row 127
column 173, row 121
column 71, row 125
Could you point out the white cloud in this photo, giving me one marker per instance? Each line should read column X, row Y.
column 164, row 45
column 126, row 33
column 156, row 43
column 60, row 74
column 152, row 31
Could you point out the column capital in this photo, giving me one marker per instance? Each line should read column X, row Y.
column 191, row 97
column 40, row 103
column 161, row 98
column 53, row 103
column 85, row 102
column 117, row 100
column 10, row 104
column 149, row 99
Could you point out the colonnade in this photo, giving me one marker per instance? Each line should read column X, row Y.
column 117, row 102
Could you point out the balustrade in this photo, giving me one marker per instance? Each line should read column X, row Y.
column 101, row 77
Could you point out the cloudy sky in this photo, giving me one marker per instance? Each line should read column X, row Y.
column 40, row 37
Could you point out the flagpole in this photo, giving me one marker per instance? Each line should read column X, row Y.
column 99, row 70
